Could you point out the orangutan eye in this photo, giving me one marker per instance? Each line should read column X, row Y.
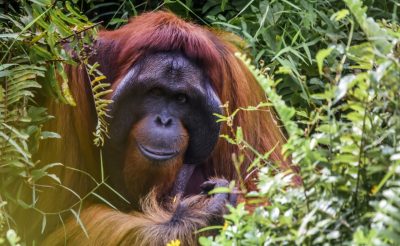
column 181, row 98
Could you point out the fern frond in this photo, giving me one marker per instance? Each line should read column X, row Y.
column 17, row 86
column 100, row 90
column 387, row 217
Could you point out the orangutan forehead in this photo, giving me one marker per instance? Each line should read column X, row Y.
column 173, row 67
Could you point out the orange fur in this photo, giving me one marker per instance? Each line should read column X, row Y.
column 162, row 31
column 120, row 49
column 152, row 226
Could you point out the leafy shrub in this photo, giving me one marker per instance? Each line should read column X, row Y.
column 32, row 56
column 331, row 72
column 345, row 143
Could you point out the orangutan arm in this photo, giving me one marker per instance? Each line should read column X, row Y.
column 156, row 225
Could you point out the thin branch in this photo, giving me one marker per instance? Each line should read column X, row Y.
column 63, row 40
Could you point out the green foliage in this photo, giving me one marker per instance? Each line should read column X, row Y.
column 345, row 143
column 330, row 68
column 33, row 52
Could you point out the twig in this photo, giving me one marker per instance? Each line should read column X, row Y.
column 78, row 32
column 360, row 155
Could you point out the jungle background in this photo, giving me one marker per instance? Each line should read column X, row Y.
column 331, row 69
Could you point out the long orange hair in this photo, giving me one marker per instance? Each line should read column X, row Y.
column 116, row 52
column 163, row 31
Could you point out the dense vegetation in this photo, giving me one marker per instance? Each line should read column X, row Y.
column 330, row 68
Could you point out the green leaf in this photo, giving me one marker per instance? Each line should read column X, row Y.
column 321, row 55
column 64, row 85
column 42, row 52
column 345, row 83
column 43, row 3
column 376, row 35
column 46, row 135
column 341, row 14
column 218, row 190
column 239, row 135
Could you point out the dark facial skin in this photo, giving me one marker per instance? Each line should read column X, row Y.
column 163, row 110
